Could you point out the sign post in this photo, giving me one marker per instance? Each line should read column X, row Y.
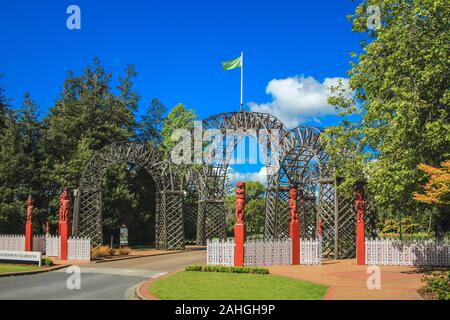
column 123, row 235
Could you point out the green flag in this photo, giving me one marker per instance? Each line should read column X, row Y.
column 233, row 64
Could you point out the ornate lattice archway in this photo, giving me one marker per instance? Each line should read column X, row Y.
column 294, row 157
column 234, row 126
column 169, row 194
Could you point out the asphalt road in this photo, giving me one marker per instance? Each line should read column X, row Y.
column 115, row 280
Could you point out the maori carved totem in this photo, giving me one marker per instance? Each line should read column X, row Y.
column 320, row 228
column 360, row 238
column 294, row 226
column 29, row 225
column 64, row 223
column 239, row 227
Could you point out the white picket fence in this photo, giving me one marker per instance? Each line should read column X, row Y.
column 267, row 252
column 12, row 242
column 220, row 253
column 79, row 249
column 52, row 244
column 407, row 252
column 311, row 251
column 264, row 252
column 39, row 244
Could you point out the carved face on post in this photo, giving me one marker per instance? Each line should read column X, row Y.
column 240, row 202
column 359, row 203
column 293, row 203
column 64, row 205
column 30, row 206
column 320, row 227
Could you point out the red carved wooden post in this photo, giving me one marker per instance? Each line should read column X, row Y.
column 294, row 226
column 360, row 238
column 64, row 223
column 47, row 228
column 239, row 227
column 29, row 225
column 320, row 228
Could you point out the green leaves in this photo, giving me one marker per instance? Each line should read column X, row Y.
column 401, row 102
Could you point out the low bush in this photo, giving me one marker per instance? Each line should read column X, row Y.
column 47, row 262
column 193, row 268
column 123, row 251
column 102, row 251
column 254, row 270
column 437, row 285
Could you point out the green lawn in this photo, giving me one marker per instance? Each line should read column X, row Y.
column 192, row 285
column 6, row 268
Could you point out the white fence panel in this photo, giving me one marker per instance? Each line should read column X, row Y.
column 310, row 251
column 220, row 253
column 267, row 252
column 52, row 244
column 39, row 244
column 407, row 252
column 12, row 242
column 79, row 249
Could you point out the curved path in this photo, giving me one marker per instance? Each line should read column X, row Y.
column 113, row 280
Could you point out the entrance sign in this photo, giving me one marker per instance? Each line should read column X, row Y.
column 123, row 235
column 30, row 256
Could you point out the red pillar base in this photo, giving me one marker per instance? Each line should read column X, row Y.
column 29, row 237
column 360, row 244
column 239, row 241
column 294, row 228
column 65, row 234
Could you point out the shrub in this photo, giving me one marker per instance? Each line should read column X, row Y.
column 193, row 268
column 123, row 251
column 437, row 285
column 47, row 262
column 254, row 270
column 102, row 251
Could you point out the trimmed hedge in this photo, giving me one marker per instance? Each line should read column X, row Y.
column 254, row 270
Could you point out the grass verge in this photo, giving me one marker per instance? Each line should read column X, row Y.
column 7, row 268
column 191, row 285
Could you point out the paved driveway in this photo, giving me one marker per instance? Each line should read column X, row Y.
column 113, row 280
column 348, row 281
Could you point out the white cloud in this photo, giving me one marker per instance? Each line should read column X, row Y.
column 236, row 176
column 298, row 99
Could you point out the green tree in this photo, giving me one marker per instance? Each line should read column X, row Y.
column 401, row 97
column 19, row 166
column 151, row 123
column 87, row 117
column 5, row 107
column 254, row 208
column 178, row 118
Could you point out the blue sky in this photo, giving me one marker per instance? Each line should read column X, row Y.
column 177, row 48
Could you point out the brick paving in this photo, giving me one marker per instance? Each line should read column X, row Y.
column 347, row 281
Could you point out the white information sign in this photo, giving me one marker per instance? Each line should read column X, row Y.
column 33, row 256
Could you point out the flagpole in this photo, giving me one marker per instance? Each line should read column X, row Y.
column 242, row 81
